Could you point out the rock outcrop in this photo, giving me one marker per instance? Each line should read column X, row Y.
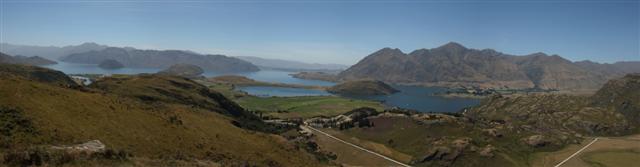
column 87, row 147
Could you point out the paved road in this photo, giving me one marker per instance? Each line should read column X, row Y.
column 577, row 152
column 358, row 147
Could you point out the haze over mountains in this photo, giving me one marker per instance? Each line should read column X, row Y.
column 455, row 65
column 33, row 60
column 450, row 65
column 49, row 52
column 162, row 59
column 92, row 53
column 289, row 64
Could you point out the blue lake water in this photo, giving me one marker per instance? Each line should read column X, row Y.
column 263, row 75
column 422, row 99
column 410, row 97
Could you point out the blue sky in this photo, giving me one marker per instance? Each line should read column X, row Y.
column 332, row 31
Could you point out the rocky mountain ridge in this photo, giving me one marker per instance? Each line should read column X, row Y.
column 454, row 65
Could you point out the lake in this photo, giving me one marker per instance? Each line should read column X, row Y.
column 410, row 97
column 422, row 99
column 263, row 75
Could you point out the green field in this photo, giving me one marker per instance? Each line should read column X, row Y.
column 612, row 158
column 294, row 107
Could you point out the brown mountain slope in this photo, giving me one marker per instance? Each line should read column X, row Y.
column 613, row 110
column 34, row 73
column 555, row 72
column 622, row 95
column 455, row 65
column 196, row 126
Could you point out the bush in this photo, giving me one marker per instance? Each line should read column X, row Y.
column 14, row 127
column 39, row 156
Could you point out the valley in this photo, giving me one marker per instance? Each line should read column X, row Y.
column 319, row 83
column 507, row 129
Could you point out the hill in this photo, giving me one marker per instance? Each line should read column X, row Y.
column 322, row 76
column 34, row 60
column 132, row 57
column 110, row 64
column 290, row 65
column 362, row 87
column 184, row 70
column 621, row 95
column 501, row 131
column 49, row 52
column 454, row 65
column 158, row 120
column 233, row 79
column 37, row 74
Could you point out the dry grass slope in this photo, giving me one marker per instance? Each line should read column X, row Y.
column 182, row 124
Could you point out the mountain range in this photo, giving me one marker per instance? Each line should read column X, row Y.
column 33, row 60
column 49, row 52
column 63, row 53
column 290, row 65
column 454, row 65
column 138, row 58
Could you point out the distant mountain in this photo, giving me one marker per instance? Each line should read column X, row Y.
column 455, row 65
column 132, row 57
column 49, row 52
column 184, row 70
column 110, row 64
column 290, row 65
column 34, row 60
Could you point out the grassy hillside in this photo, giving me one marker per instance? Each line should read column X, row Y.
column 441, row 140
column 508, row 131
column 36, row 74
column 153, row 118
column 236, row 80
column 294, row 107
column 305, row 107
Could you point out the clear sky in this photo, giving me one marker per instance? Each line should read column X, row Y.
column 332, row 31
